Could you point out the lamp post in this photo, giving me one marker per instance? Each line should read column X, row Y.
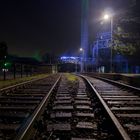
column 76, row 64
column 82, row 61
column 110, row 17
column 97, row 56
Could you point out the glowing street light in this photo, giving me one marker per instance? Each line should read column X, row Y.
column 106, row 17
column 81, row 49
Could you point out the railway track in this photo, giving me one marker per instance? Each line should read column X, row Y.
column 74, row 112
column 122, row 103
column 60, row 108
column 21, row 104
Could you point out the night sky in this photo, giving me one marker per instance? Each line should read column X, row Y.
column 46, row 26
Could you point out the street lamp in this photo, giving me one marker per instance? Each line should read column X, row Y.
column 110, row 17
column 82, row 61
column 106, row 17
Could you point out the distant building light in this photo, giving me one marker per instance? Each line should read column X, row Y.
column 67, row 57
column 70, row 59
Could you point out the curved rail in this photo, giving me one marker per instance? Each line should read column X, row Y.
column 29, row 123
column 117, row 83
column 119, row 127
column 20, row 84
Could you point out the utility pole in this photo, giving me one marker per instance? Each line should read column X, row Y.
column 111, row 70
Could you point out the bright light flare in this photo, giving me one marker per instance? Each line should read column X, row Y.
column 106, row 17
column 81, row 49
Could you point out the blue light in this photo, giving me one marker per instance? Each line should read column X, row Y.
column 69, row 57
column 63, row 57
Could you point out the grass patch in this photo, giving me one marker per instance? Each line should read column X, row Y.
column 11, row 82
column 71, row 77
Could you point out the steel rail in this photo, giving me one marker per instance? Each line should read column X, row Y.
column 28, row 124
column 119, row 127
column 118, row 83
column 22, row 83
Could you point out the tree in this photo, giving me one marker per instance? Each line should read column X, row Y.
column 126, row 44
column 3, row 49
column 127, row 35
